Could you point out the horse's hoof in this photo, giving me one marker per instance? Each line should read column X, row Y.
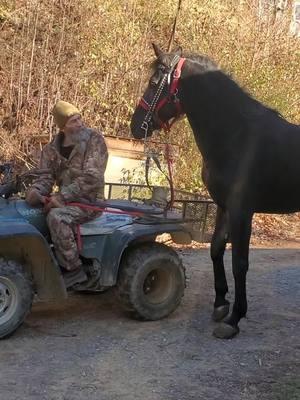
column 220, row 312
column 225, row 331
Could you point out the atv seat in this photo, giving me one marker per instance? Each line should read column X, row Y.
column 105, row 224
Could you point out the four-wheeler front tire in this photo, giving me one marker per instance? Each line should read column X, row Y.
column 16, row 296
column 151, row 281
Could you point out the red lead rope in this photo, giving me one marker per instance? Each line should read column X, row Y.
column 95, row 208
column 170, row 171
column 78, row 237
column 111, row 211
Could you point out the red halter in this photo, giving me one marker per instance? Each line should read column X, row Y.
column 171, row 98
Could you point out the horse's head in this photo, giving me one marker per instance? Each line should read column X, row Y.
column 160, row 103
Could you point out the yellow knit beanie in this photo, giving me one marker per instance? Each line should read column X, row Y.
column 62, row 111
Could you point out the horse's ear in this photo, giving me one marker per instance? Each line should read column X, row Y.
column 178, row 51
column 158, row 52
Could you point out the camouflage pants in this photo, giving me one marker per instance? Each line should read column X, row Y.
column 62, row 223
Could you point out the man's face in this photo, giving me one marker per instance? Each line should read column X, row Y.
column 73, row 125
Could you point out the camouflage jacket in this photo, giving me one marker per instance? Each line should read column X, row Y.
column 81, row 176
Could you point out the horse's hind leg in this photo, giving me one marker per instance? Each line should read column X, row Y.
column 217, row 249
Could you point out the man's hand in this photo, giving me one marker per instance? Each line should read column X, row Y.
column 55, row 201
column 34, row 198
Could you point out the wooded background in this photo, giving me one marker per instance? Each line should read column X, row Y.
column 96, row 53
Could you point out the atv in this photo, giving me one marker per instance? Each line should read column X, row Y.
column 118, row 249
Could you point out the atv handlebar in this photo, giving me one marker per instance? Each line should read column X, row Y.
column 11, row 184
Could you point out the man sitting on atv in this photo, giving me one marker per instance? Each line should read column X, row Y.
column 75, row 160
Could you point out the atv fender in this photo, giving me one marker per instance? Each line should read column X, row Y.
column 108, row 249
column 23, row 242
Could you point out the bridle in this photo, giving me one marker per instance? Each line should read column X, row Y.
column 171, row 78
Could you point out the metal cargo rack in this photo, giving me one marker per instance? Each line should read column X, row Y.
column 197, row 214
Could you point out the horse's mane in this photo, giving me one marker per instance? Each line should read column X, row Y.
column 200, row 59
column 236, row 96
column 203, row 60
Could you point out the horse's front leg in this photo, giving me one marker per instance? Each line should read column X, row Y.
column 217, row 249
column 240, row 232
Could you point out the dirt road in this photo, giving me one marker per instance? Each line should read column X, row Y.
column 87, row 349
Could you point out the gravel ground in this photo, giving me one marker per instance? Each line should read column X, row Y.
column 86, row 348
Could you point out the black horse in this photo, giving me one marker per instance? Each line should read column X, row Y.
column 251, row 158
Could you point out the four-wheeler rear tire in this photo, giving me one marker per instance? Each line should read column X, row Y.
column 16, row 296
column 151, row 281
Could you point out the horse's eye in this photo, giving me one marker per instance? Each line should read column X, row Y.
column 154, row 81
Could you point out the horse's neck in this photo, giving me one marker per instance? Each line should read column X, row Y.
column 214, row 144
column 212, row 103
